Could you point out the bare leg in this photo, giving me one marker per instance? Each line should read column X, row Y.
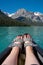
column 13, row 56
column 30, row 57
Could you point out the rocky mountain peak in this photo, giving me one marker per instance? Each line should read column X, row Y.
column 22, row 11
column 34, row 16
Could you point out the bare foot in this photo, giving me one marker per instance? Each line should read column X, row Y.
column 17, row 42
column 28, row 48
column 30, row 57
column 12, row 58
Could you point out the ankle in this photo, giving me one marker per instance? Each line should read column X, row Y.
column 15, row 50
column 29, row 49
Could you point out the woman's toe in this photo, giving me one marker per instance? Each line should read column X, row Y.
column 28, row 36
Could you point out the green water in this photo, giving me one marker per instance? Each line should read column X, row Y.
column 7, row 34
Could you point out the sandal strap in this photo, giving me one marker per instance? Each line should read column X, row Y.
column 18, row 40
column 27, row 44
column 15, row 44
column 31, row 44
column 28, row 39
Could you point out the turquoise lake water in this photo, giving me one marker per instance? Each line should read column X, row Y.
column 7, row 34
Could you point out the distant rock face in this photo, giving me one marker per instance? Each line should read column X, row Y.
column 22, row 16
column 34, row 16
column 21, row 12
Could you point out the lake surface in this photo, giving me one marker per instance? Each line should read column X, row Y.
column 7, row 34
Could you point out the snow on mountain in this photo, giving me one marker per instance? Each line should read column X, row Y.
column 18, row 13
column 37, row 13
column 10, row 14
column 6, row 13
column 34, row 16
column 21, row 12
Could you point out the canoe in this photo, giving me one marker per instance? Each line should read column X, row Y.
column 38, row 51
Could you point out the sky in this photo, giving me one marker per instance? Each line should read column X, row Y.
column 12, row 6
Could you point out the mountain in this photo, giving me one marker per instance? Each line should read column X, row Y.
column 34, row 16
column 8, row 21
column 37, row 13
column 21, row 18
